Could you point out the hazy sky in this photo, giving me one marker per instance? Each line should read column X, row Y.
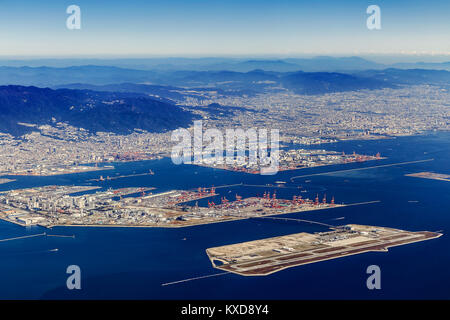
column 226, row 27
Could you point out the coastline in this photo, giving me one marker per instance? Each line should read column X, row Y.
column 375, row 248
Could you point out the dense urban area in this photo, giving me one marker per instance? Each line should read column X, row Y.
column 305, row 119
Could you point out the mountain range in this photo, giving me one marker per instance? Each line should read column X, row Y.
column 325, row 82
column 307, row 64
column 159, row 83
column 118, row 99
column 94, row 111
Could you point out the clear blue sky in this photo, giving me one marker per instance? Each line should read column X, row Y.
column 226, row 27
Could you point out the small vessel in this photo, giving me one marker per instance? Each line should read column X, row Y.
column 54, row 250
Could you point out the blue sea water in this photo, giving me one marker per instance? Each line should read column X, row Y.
column 133, row 263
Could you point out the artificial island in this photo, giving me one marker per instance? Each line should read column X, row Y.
column 266, row 256
column 137, row 207
column 293, row 159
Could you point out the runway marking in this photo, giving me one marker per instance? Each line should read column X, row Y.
column 196, row 278
column 24, row 237
column 365, row 168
